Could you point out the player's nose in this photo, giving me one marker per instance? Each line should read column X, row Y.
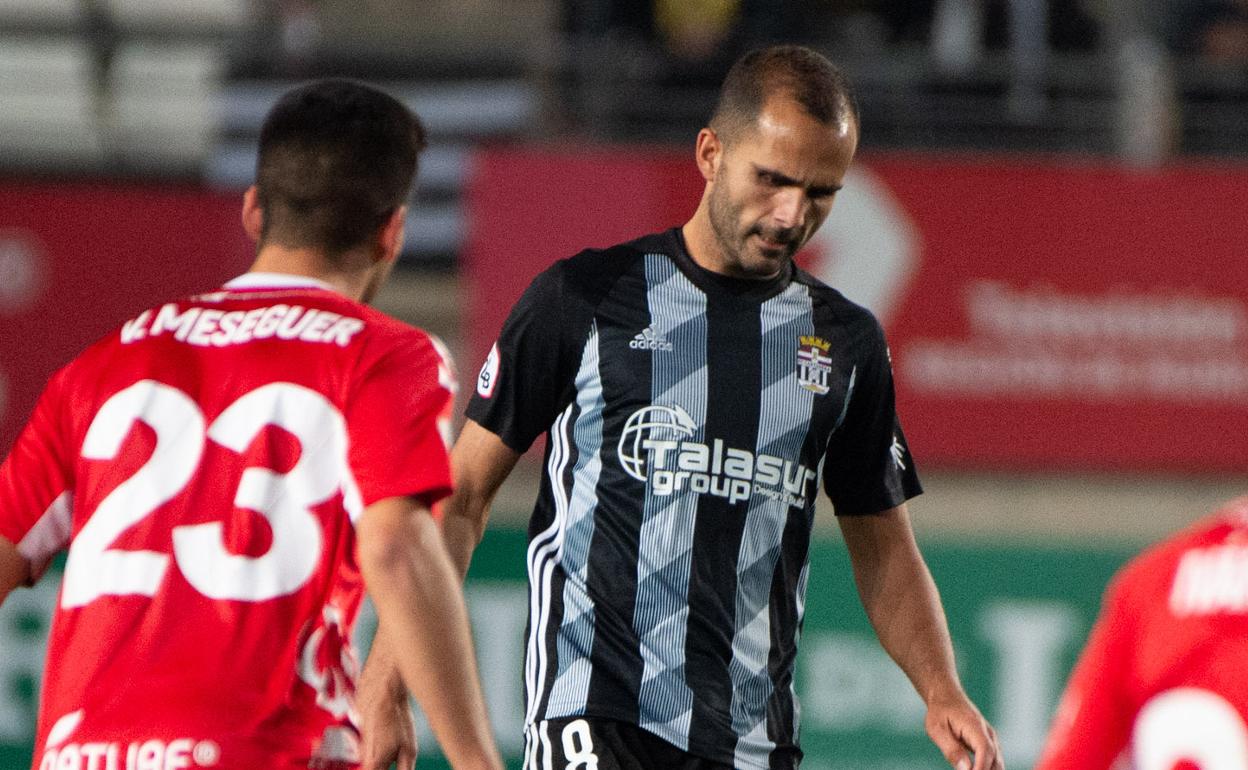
column 790, row 207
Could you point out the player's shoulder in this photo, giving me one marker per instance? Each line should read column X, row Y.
column 837, row 315
column 1159, row 561
column 596, row 266
column 833, row 302
column 384, row 337
column 589, row 275
column 1228, row 523
column 625, row 253
column 383, row 325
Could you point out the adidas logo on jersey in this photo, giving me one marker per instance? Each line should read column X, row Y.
column 649, row 339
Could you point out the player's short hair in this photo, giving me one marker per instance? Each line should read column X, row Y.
column 336, row 158
column 807, row 77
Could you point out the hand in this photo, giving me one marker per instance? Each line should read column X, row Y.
column 960, row 731
column 386, row 726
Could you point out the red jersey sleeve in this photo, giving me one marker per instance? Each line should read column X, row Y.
column 398, row 420
column 1094, row 717
column 36, row 480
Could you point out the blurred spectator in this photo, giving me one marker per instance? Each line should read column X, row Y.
column 696, row 29
column 1071, row 26
column 1213, row 30
column 708, row 33
column 300, row 30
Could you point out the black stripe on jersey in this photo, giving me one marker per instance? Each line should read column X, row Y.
column 612, row 568
column 785, row 627
column 734, row 335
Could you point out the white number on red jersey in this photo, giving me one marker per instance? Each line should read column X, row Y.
column 1191, row 725
column 93, row 569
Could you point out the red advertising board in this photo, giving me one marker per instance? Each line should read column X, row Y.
column 77, row 260
column 1042, row 315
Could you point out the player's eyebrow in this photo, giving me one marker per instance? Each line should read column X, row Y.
column 784, row 180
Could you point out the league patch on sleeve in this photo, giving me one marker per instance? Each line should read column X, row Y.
column 488, row 377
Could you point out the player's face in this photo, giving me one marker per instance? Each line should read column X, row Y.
column 773, row 186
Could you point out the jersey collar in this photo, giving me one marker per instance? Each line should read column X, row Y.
column 746, row 289
column 276, row 281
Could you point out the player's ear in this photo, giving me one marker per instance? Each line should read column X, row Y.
column 390, row 237
column 253, row 215
column 709, row 151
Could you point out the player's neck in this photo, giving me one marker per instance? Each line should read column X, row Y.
column 351, row 279
column 700, row 241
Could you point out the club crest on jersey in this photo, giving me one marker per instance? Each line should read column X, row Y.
column 813, row 363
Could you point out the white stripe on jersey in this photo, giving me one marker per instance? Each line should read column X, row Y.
column 530, row 747
column 548, row 756
column 540, row 559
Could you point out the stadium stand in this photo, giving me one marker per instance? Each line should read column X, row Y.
column 163, row 105
column 181, row 19
column 82, row 80
column 39, row 14
column 49, row 117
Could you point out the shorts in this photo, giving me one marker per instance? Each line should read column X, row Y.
column 588, row 743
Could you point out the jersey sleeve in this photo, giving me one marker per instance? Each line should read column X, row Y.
column 398, row 420
column 526, row 379
column 36, row 482
column 868, row 467
column 1094, row 717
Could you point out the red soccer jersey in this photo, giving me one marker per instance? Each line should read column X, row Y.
column 1163, row 681
column 205, row 464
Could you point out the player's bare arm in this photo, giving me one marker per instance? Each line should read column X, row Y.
column 904, row 607
column 14, row 569
column 387, row 732
column 420, row 606
column 480, row 463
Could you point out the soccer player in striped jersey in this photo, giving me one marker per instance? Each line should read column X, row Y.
column 697, row 391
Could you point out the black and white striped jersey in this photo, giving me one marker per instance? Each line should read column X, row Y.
column 691, row 420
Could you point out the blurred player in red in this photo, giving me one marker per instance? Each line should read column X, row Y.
column 1163, row 682
column 230, row 470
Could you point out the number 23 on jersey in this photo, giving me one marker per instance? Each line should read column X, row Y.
column 94, row 568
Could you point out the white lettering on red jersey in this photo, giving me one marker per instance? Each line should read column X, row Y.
column 205, row 465
column 1162, row 683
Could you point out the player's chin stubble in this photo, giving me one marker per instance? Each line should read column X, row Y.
column 733, row 243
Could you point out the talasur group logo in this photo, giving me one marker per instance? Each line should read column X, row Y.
column 657, row 446
column 21, row 271
column 652, row 423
